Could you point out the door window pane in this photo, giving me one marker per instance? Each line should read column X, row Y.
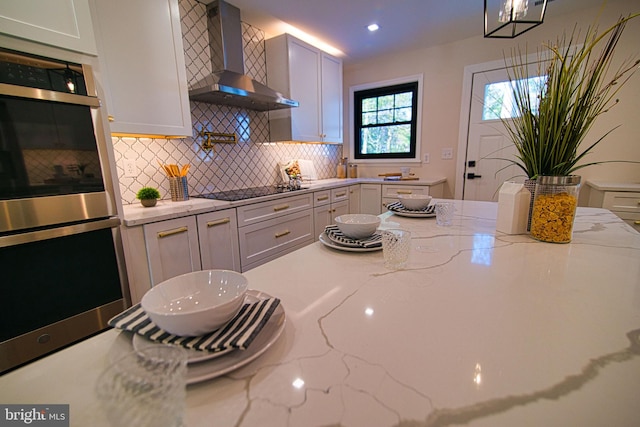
column 498, row 97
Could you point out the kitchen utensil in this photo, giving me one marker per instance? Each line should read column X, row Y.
column 195, row 303
column 326, row 241
column 444, row 213
column 146, row 387
column 414, row 201
column 396, row 245
column 178, row 188
column 357, row 226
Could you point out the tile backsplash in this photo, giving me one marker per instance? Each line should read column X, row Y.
column 253, row 161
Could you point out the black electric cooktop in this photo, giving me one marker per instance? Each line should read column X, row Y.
column 246, row 193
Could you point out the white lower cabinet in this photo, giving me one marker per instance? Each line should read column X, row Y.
column 329, row 204
column 623, row 199
column 390, row 193
column 172, row 248
column 268, row 230
column 354, row 198
column 218, row 237
column 374, row 198
column 370, row 199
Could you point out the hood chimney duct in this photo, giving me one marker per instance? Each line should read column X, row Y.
column 228, row 85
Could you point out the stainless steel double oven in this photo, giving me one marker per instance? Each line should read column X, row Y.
column 60, row 272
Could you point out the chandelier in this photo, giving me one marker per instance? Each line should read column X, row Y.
column 507, row 19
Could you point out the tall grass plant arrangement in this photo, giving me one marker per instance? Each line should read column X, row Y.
column 579, row 86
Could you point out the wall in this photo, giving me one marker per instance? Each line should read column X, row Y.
column 443, row 68
column 253, row 161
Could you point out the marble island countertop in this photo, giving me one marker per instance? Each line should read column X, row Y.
column 136, row 214
column 481, row 329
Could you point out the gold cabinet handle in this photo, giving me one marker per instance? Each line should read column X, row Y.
column 218, row 222
column 321, row 198
column 167, row 233
column 341, row 194
column 280, row 208
column 282, row 233
column 404, row 192
column 637, row 222
column 111, row 118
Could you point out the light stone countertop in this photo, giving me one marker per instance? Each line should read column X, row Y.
column 481, row 329
column 136, row 214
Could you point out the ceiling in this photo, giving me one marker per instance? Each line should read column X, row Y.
column 404, row 24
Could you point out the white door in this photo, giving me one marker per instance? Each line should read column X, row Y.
column 488, row 143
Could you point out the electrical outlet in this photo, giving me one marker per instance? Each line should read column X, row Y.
column 130, row 169
column 426, row 157
column 447, row 153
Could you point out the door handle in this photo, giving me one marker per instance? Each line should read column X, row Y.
column 218, row 222
column 282, row 233
column 167, row 233
column 472, row 175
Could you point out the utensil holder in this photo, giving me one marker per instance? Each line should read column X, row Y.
column 179, row 189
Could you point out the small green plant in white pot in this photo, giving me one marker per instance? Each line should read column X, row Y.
column 148, row 196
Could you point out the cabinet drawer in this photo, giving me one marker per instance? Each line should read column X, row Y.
column 321, row 198
column 265, row 239
column 251, row 214
column 394, row 190
column 339, row 194
column 620, row 201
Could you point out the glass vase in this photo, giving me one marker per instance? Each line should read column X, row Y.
column 554, row 208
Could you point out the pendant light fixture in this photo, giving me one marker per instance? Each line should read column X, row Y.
column 507, row 19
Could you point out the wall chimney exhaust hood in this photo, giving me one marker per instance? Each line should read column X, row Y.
column 228, row 85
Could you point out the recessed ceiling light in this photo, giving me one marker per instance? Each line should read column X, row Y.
column 373, row 27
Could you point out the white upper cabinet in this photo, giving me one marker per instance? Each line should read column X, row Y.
column 331, row 98
column 313, row 78
column 142, row 66
column 61, row 23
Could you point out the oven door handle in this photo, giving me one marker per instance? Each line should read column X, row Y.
column 52, row 233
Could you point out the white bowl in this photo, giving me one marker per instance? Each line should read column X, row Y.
column 414, row 202
column 357, row 226
column 195, row 303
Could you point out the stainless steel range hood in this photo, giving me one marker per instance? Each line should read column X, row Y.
column 228, row 85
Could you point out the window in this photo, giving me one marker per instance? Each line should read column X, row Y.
column 386, row 121
column 498, row 97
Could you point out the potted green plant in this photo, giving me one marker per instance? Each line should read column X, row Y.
column 148, row 196
column 577, row 86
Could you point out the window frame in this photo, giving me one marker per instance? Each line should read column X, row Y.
column 414, row 155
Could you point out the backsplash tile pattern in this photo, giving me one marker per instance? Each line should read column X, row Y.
column 253, row 161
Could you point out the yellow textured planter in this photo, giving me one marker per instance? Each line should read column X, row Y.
column 554, row 208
